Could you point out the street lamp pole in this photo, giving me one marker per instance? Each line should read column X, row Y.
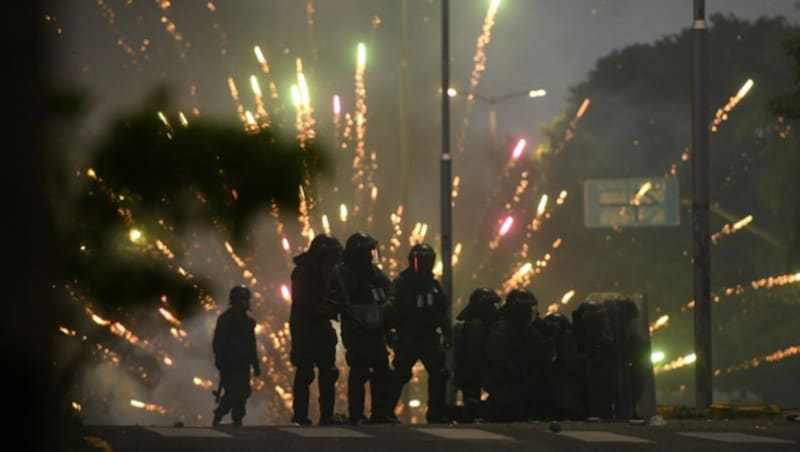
column 700, row 209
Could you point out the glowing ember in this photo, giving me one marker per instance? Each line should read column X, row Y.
column 506, row 226
column 203, row 383
column 542, row 206
column 519, row 148
column 661, row 322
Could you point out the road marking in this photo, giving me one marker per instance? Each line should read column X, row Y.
column 325, row 432
column 732, row 437
column 590, row 436
column 462, row 433
column 188, row 432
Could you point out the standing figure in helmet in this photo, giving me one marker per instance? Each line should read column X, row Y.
column 470, row 354
column 419, row 322
column 363, row 330
column 314, row 285
column 235, row 353
column 564, row 381
column 510, row 352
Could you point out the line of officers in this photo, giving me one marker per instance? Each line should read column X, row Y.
column 529, row 366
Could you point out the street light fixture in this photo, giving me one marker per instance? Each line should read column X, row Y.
column 492, row 102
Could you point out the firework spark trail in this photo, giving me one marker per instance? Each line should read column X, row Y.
column 49, row 18
column 262, row 60
column 171, row 28
column 682, row 361
column 304, row 217
column 730, row 229
column 479, row 60
column 771, row 358
column 572, row 128
column 305, row 109
column 764, row 283
column 661, row 322
column 418, row 234
column 261, row 112
column 752, row 363
column 152, row 407
column 720, row 117
column 237, row 102
column 135, row 235
column 768, row 282
column 246, row 272
column 360, row 165
column 110, row 16
column 390, row 259
column 280, row 231
column 479, row 65
column 722, row 112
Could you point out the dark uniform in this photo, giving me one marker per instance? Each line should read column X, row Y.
column 510, row 350
column 363, row 330
column 234, row 354
column 314, row 340
column 565, row 374
column 418, row 314
column 470, row 353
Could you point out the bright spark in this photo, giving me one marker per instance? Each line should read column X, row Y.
column 519, row 148
column 362, row 55
column 506, row 225
column 135, row 235
column 542, row 206
column 337, row 105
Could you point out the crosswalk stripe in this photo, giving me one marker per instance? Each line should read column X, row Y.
column 462, row 433
column 325, row 432
column 188, row 432
column 734, row 437
column 591, row 436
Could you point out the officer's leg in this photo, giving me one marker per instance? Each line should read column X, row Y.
column 359, row 374
column 328, row 374
column 239, row 394
column 471, row 393
column 434, row 360
column 379, row 383
column 302, row 379
column 225, row 401
column 404, row 359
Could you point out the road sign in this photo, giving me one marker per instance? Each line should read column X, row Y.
column 631, row 202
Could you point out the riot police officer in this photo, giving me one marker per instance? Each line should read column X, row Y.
column 235, row 353
column 566, row 398
column 419, row 323
column 510, row 351
column 363, row 336
column 314, row 286
column 470, row 357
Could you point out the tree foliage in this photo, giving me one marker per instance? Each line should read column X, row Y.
column 161, row 179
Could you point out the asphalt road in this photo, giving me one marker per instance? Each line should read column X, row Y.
column 683, row 436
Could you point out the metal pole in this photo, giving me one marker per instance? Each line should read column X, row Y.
column 700, row 208
column 446, row 181
column 404, row 101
